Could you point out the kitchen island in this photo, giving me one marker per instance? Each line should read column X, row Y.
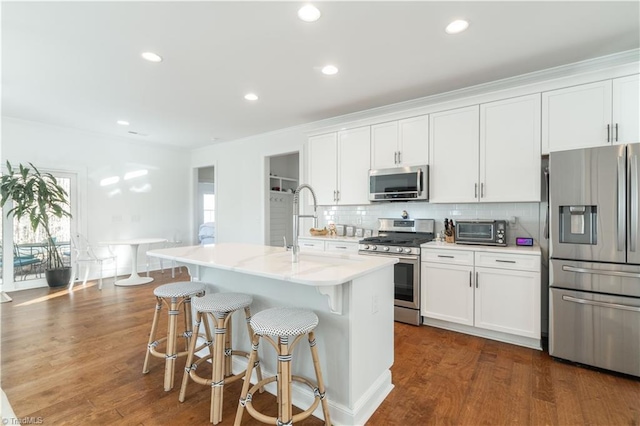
column 352, row 296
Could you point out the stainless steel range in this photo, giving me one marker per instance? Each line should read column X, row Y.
column 401, row 238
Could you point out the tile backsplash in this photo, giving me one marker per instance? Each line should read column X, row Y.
column 527, row 215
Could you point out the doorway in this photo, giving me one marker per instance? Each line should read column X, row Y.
column 23, row 251
column 283, row 179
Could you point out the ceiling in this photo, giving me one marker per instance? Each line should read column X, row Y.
column 78, row 64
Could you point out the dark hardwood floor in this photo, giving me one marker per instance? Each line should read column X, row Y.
column 76, row 358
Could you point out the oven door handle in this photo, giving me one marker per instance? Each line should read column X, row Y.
column 407, row 257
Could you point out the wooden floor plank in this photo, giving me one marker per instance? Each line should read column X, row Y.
column 76, row 358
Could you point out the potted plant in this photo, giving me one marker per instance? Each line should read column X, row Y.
column 38, row 196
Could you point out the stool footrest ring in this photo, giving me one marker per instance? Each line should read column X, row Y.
column 274, row 420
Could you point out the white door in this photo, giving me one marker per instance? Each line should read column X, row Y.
column 447, row 292
column 323, row 167
column 354, row 147
column 510, row 150
column 384, row 145
column 25, row 250
column 414, row 141
column 508, row 301
column 626, row 110
column 453, row 154
column 576, row 117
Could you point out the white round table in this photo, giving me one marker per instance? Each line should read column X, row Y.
column 134, row 278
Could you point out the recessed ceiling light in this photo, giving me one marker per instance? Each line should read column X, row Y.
column 152, row 57
column 122, row 122
column 457, row 26
column 309, row 13
column 251, row 97
column 330, row 70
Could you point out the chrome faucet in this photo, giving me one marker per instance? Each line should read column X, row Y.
column 297, row 216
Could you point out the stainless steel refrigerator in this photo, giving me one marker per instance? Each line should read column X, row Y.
column 594, row 273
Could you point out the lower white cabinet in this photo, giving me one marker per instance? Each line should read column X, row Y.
column 483, row 290
column 332, row 245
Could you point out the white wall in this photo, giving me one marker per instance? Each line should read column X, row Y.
column 161, row 209
column 241, row 185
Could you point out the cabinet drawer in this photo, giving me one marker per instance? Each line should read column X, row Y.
column 521, row 262
column 341, row 246
column 452, row 257
column 306, row 244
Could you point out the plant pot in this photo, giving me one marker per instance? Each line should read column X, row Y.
column 58, row 277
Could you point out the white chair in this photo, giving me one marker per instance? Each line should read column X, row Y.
column 166, row 244
column 87, row 254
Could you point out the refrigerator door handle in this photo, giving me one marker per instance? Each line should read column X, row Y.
column 600, row 272
column 603, row 304
column 633, row 191
column 621, row 200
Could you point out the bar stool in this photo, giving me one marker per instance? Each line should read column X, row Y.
column 283, row 323
column 219, row 307
column 173, row 295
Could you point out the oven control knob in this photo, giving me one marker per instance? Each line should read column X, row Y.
column 385, row 248
column 399, row 249
column 366, row 246
column 407, row 250
column 374, row 247
column 500, row 241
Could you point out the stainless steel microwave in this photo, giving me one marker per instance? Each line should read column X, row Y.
column 399, row 184
column 486, row 232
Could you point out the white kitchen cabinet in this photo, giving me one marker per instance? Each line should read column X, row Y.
column 310, row 244
column 454, row 155
column 339, row 166
column 354, row 147
column 479, row 291
column 446, row 292
column 400, row 143
column 626, row 110
column 332, row 245
column 510, row 153
column 323, row 167
column 486, row 153
column 350, row 247
column 508, row 301
column 588, row 115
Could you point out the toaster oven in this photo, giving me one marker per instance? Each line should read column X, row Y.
column 486, row 232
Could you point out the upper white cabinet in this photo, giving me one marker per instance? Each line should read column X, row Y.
column 339, row 166
column 510, row 150
column 323, row 167
column 453, row 150
column 400, row 143
column 486, row 153
column 626, row 110
column 590, row 115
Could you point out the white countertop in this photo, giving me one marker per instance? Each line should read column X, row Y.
column 318, row 269
column 534, row 250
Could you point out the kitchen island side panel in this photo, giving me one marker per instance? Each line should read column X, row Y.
column 355, row 348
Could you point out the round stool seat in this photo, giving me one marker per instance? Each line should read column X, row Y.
column 221, row 302
column 283, row 321
column 179, row 289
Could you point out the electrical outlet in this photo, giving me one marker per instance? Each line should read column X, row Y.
column 513, row 222
column 374, row 304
